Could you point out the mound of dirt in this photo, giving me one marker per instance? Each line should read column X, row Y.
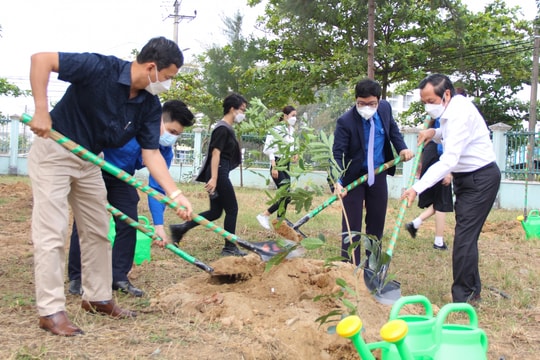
column 277, row 306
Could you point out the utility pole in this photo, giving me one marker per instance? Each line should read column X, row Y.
column 177, row 18
column 371, row 40
column 532, row 109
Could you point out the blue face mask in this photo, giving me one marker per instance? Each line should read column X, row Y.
column 167, row 139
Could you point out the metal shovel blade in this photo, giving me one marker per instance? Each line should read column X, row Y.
column 386, row 294
column 272, row 249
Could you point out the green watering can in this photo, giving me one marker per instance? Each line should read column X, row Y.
column 457, row 341
column 531, row 225
column 420, row 339
column 144, row 242
column 393, row 333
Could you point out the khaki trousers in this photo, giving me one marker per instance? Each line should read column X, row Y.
column 58, row 178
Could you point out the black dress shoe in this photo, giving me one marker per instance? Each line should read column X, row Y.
column 177, row 232
column 59, row 324
column 128, row 288
column 75, row 287
column 232, row 251
column 411, row 229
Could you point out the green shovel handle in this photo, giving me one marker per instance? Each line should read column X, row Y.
column 84, row 154
column 137, row 225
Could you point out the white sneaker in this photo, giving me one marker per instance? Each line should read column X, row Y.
column 263, row 220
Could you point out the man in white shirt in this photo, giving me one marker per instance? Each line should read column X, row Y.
column 468, row 154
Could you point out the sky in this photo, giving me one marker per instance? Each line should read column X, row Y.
column 116, row 27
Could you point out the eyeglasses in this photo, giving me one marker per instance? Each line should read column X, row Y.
column 370, row 104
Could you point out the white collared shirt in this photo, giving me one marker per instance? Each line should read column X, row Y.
column 466, row 143
column 271, row 147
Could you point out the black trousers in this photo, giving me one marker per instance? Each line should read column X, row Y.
column 375, row 199
column 283, row 179
column 125, row 198
column 225, row 201
column 475, row 194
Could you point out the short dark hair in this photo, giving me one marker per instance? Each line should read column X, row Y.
column 366, row 88
column 163, row 52
column 176, row 110
column 233, row 100
column 461, row 91
column 286, row 111
column 440, row 84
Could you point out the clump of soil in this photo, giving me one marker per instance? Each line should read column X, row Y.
column 277, row 306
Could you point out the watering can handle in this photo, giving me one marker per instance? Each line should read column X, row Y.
column 414, row 299
column 450, row 308
column 534, row 213
column 144, row 219
column 457, row 307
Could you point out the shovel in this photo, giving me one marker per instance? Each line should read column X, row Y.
column 122, row 175
column 304, row 219
column 389, row 292
column 137, row 225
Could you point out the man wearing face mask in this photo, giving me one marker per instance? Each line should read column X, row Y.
column 363, row 140
column 285, row 130
column 175, row 118
column 223, row 156
column 108, row 102
column 468, row 154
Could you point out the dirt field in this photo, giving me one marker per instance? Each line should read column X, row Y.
column 188, row 314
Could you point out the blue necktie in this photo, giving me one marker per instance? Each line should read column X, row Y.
column 371, row 170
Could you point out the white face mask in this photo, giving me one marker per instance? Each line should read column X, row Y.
column 292, row 120
column 167, row 139
column 366, row 111
column 158, row 87
column 239, row 118
column 435, row 110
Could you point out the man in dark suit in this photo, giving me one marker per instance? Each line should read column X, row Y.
column 363, row 140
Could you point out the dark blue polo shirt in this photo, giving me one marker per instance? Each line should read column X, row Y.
column 96, row 111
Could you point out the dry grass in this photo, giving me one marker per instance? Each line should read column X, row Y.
column 509, row 267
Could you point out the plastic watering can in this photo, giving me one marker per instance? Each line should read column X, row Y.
column 393, row 333
column 531, row 225
column 144, row 242
column 457, row 341
column 420, row 339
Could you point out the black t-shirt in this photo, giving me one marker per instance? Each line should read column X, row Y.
column 223, row 138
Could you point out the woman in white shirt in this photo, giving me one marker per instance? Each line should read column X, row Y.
column 468, row 154
column 279, row 161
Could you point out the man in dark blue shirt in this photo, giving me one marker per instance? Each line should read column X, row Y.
column 108, row 102
column 176, row 117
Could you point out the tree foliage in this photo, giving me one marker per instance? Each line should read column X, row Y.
column 9, row 89
column 323, row 43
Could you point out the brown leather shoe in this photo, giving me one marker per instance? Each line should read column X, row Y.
column 107, row 308
column 59, row 324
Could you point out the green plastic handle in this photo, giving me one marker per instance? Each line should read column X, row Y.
column 407, row 300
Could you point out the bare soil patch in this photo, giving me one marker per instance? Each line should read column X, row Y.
column 189, row 314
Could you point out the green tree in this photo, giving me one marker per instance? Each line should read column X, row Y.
column 9, row 89
column 217, row 72
column 323, row 43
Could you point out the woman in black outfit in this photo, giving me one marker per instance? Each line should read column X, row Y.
column 223, row 156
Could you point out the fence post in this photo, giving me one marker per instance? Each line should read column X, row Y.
column 13, row 147
column 499, row 145
column 197, row 151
